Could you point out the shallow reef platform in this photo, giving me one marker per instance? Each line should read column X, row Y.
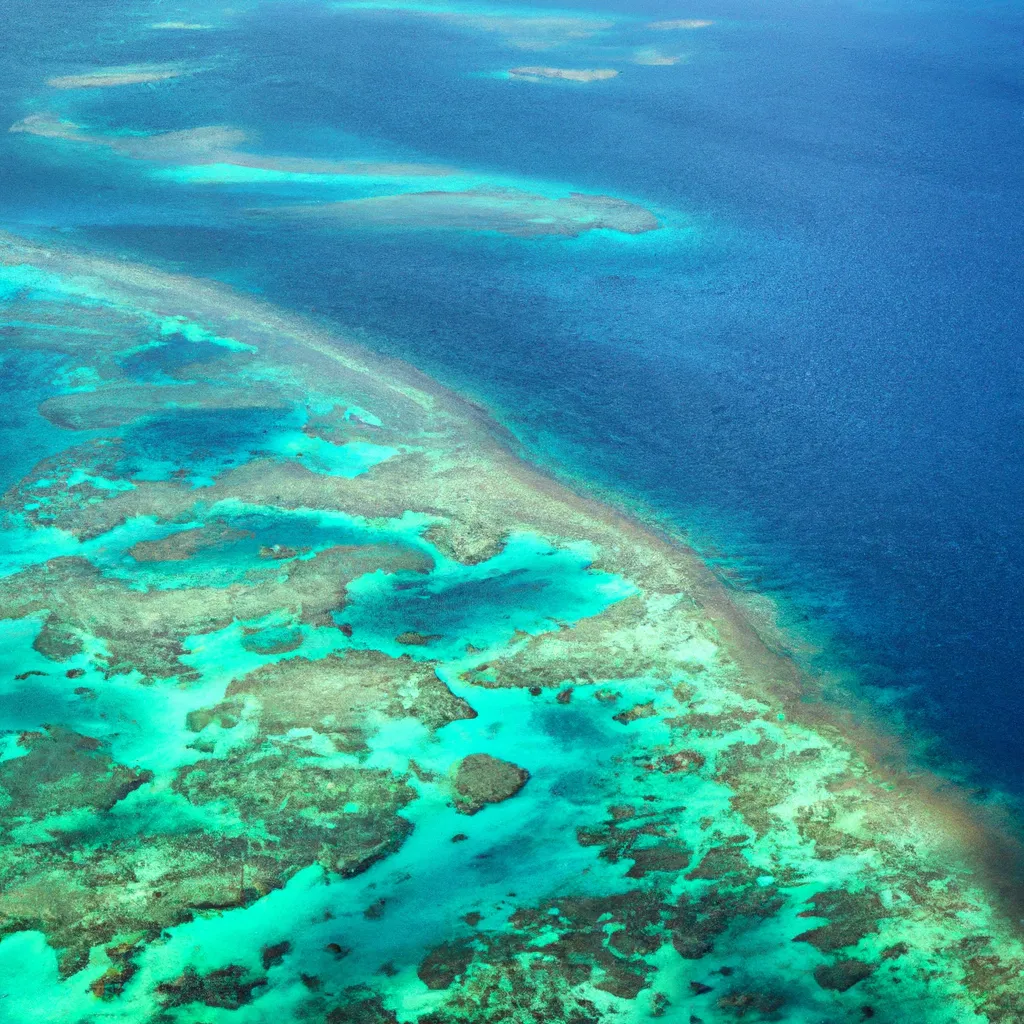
column 321, row 704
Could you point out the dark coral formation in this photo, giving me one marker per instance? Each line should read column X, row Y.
column 334, row 695
column 481, row 779
column 62, row 770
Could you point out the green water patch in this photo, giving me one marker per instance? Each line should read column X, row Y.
column 529, row 587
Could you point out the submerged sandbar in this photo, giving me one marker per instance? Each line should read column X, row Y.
column 507, row 211
column 108, row 78
column 182, row 26
column 565, row 74
column 651, row 57
column 682, row 23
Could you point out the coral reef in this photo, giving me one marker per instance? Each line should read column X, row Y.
column 564, row 74
column 322, row 705
column 508, row 211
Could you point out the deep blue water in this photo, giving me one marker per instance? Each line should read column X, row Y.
column 825, row 383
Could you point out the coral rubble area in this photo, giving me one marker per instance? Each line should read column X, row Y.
column 321, row 704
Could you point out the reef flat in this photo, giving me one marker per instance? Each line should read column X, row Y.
column 321, row 704
column 508, row 211
column 587, row 36
column 564, row 74
column 181, row 26
column 215, row 144
column 651, row 57
column 107, row 78
column 213, row 153
column 683, row 23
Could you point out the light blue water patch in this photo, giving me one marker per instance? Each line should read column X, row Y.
column 530, row 587
column 251, row 187
column 197, row 333
column 358, row 413
column 21, row 546
column 144, row 725
column 271, row 638
column 237, row 174
column 101, row 483
column 347, row 460
column 30, row 283
column 28, row 967
column 224, row 654
column 22, row 281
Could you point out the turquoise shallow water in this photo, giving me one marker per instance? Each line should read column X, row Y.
column 528, row 588
column 264, row 613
